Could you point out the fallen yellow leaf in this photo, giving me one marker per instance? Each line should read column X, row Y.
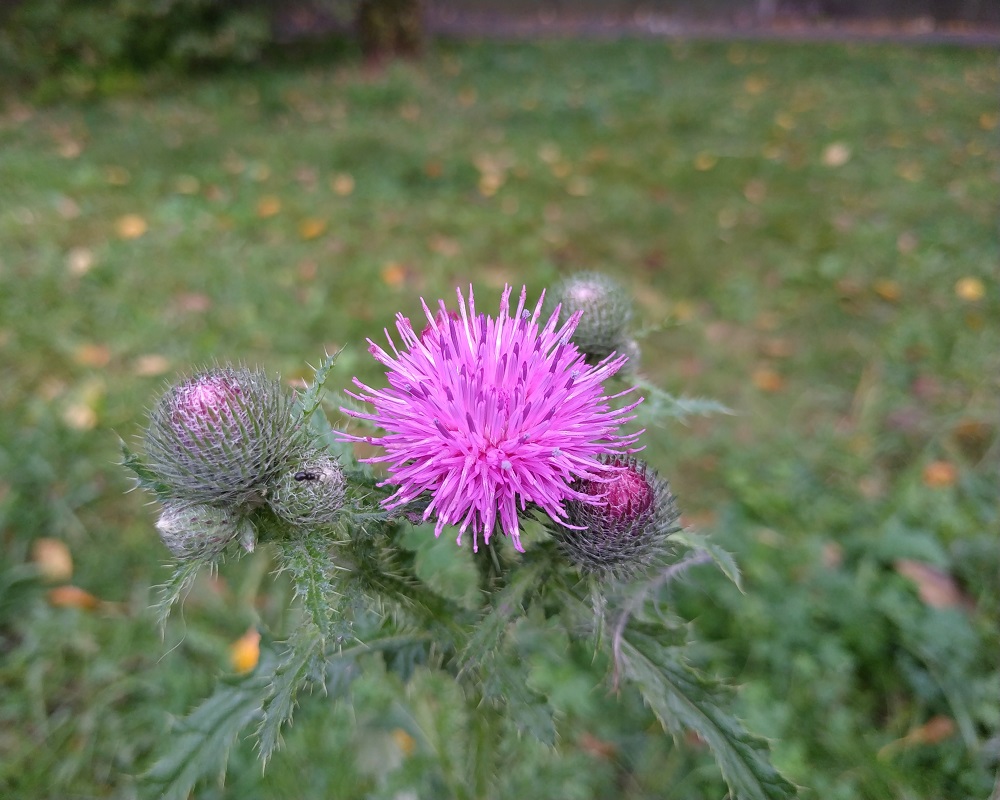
column 940, row 474
column 53, row 559
column 72, row 597
column 187, row 184
column 130, row 226
column 888, row 290
column 92, row 355
column 70, row 148
column 393, row 274
column 150, row 365
column 755, row 191
column 490, row 183
column 970, row 290
column 704, row 161
column 445, row 246
column 755, row 84
column 244, row 653
column 311, row 228
column 342, row 184
column 80, row 417
column 935, row 586
column 935, row 730
column 836, row 154
column 79, row 260
column 268, row 206
column 549, row 152
column 578, row 186
column 784, row 120
column 907, row 242
column 768, row 380
column 988, row 121
column 404, row 741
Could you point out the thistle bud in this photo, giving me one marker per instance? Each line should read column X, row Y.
column 221, row 436
column 197, row 530
column 604, row 327
column 310, row 492
column 630, row 525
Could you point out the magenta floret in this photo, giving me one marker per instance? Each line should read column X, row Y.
column 487, row 415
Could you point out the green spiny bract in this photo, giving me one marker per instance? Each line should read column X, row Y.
column 628, row 530
column 605, row 326
column 310, row 492
column 222, row 436
column 198, row 530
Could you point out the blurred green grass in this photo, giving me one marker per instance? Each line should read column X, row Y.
column 794, row 221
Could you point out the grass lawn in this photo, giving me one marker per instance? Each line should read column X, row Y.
column 811, row 236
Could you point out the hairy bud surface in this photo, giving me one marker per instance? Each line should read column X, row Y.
column 628, row 529
column 197, row 530
column 310, row 492
column 605, row 325
column 221, row 435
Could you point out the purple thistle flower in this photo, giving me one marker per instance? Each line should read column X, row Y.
column 488, row 415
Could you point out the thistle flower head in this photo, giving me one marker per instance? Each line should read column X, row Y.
column 628, row 528
column 197, row 530
column 310, row 492
column 605, row 325
column 487, row 415
column 221, row 435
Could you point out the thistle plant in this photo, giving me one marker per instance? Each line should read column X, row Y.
column 508, row 432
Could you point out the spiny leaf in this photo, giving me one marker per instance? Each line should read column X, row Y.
column 309, row 400
column 199, row 745
column 723, row 558
column 301, row 660
column 682, row 698
column 661, row 404
column 439, row 712
column 315, row 577
column 507, row 604
column 145, row 477
column 176, row 587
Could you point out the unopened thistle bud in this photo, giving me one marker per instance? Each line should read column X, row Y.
column 605, row 326
column 628, row 529
column 197, row 530
column 310, row 492
column 221, row 436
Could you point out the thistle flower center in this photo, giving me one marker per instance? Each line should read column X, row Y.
column 627, row 496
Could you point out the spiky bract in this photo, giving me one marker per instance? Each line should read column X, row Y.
column 630, row 526
column 605, row 325
column 198, row 530
column 488, row 415
column 310, row 492
column 222, row 435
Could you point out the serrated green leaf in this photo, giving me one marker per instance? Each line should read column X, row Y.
column 683, row 699
column 661, row 404
column 506, row 606
column 177, row 586
column 723, row 558
column 145, row 477
column 315, row 576
column 300, row 661
column 309, row 400
column 440, row 714
column 199, row 745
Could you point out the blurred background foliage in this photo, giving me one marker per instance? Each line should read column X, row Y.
column 810, row 234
